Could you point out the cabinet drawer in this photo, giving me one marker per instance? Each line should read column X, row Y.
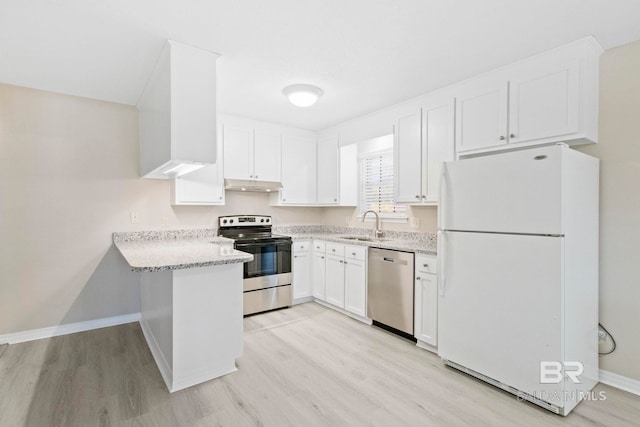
column 426, row 264
column 335, row 249
column 355, row 252
column 301, row 246
column 319, row 246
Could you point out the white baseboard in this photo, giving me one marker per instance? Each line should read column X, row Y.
column 161, row 361
column 69, row 328
column 618, row 381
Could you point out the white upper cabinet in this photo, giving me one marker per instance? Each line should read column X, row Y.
column 481, row 115
column 177, row 112
column 251, row 154
column 424, row 140
column 266, row 155
column 544, row 100
column 204, row 186
column 550, row 97
column 238, row 152
column 298, row 171
column 407, row 146
column 328, row 175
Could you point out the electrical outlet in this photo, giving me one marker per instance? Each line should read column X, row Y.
column 602, row 336
column 135, row 217
column 414, row 222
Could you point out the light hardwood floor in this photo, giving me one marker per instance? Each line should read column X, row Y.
column 304, row 366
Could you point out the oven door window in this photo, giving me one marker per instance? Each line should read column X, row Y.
column 268, row 258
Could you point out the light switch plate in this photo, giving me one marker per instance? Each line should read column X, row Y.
column 414, row 222
column 135, row 217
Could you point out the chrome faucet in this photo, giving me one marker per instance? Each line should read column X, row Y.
column 378, row 231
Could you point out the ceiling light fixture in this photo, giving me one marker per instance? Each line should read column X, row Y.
column 302, row 95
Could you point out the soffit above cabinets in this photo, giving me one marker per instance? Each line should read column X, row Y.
column 364, row 55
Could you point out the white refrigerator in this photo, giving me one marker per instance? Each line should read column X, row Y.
column 518, row 283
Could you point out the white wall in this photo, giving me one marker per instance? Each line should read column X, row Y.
column 68, row 179
column 618, row 149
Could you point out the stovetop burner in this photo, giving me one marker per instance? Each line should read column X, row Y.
column 248, row 228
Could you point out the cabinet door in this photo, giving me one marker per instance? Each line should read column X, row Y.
column 426, row 308
column 544, row 101
column 319, row 276
column 298, row 170
column 438, row 129
column 267, row 155
column 481, row 115
column 407, row 156
column 355, row 287
column 301, row 281
column 238, row 153
column 335, row 280
column 204, row 186
column 328, row 171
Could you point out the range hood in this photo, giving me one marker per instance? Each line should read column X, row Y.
column 177, row 113
column 250, row 185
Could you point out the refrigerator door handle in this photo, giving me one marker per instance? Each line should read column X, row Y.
column 441, row 278
column 441, row 197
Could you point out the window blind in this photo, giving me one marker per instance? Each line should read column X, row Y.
column 376, row 185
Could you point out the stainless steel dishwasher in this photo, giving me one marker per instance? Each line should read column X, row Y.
column 390, row 289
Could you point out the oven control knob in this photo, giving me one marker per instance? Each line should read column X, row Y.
column 231, row 221
column 224, row 221
column 268, row 219
column 262, row 220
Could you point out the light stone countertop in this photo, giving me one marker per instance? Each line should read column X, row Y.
column 426, row 246
column 158, row 251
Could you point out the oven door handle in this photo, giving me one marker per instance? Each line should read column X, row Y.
column 261, row 245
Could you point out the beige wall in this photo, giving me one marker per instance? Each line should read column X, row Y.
column 618, row 149
column 68, row 179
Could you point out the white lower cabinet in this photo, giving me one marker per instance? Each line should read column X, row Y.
column 334, row 284
column 355, row 286
column 346, row 277
column 426, row 301
column 301, row 269
column 318, row 270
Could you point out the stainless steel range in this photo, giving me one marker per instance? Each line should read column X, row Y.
column 267, row 279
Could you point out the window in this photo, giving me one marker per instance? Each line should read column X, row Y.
column 376, row 185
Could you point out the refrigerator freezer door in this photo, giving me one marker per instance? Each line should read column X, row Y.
column 517, row 192
column 500, row 307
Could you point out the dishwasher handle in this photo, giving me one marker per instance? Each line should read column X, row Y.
column 395, row 261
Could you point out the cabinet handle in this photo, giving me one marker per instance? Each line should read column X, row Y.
column 256, row 176
column 353, row 253
column 501, row 137
column 417, row 197
column 513, row 135
column 341, row 262
column 295, row 256
column 425, row 265
column 333, row 250
column 418, row 278
column 424, row 196
column 345, row 262
column 220, row 198
column 321, row 257
column 284, row 200
column 250, row 176
column 335, row 200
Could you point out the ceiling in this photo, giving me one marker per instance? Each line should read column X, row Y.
column 364, row 54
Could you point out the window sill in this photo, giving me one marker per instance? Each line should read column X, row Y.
column 389, row 219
